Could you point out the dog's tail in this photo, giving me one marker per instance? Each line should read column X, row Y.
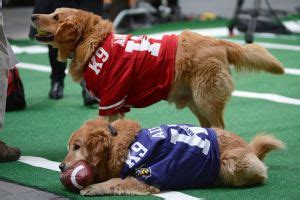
column 263, row 144
column 251, row 57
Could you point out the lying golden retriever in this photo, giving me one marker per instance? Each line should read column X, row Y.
column 128, row 160
column 123, row 71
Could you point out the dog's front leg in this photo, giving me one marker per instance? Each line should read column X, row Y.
column 112, row 118
column 117, row 186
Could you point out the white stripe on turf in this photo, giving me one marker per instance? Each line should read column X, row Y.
column 270, row 45
column 42, row 50
column 44, row 68
column 218, row 32
column 173, row 195
column 52, row 165
column 267, row 96
column 35, row 67
column 35, row 49
column 40, row 162
column 293, row 25
column 213, row 32
column 292, row 71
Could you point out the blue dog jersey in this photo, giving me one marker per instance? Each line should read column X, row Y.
column 174, row 157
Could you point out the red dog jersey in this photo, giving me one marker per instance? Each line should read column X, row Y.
column 130, row 71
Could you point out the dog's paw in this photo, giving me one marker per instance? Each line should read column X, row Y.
column 154, row 190
column 92, row 190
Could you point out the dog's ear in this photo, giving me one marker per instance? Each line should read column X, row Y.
column 66, row 32
column 127, row 130
column 97, row 143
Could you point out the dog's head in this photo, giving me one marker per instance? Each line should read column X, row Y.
column 90, row 143
column 74, row 32
column 62, row 29
column 104, row 146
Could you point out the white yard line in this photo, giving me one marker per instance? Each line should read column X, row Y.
column 40, row 162
column 36, row 67
column 267, row 96
column 271, row 45
column 264, row 96
column 213, row 32
column 35, row 49
column 52, row 165
column 222, row 32
column 293, row 25
column 292, row 71
column 41, row 49
column 173, row 195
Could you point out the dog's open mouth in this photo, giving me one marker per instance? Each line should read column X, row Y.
column 43, row 36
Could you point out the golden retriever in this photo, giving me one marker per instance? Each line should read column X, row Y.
column 201, row 80
column 106, row 148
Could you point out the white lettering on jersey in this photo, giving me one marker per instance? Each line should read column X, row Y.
column 193, row 140
column 119, row 39
column 138, row 148
column 144, row 45
column 193, row 130
column 96, row 66
column 156, row 132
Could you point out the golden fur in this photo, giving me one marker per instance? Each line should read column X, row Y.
column 241, row 163
column 202, row 76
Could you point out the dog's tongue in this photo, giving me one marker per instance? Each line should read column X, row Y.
column 44, row 38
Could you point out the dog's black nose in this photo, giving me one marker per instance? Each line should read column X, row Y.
column 33, row 17
column 62, row 167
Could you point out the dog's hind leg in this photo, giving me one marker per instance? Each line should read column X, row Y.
column 211, row 89
column 241, row 168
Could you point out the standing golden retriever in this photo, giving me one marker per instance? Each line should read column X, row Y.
column 194, row 74
column 128, row 160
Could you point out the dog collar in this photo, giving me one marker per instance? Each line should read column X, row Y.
column 112, row 130
column 71, row 55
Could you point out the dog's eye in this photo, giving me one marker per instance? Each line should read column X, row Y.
column 76, row 147
column 56, row 17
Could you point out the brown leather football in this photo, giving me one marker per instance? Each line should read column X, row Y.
column 77, row 176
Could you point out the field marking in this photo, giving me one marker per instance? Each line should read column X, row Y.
column 41, row 49
column 213, row 32
column 36, row 67
column 34, row 49
column 173, row 195
column 264, row 96
column 40, row 162
column 271, row 45
column 45, row 68
column 52, row 165
column 292, row 71
column 293, row 25
column 267, row 96
column 219, row 32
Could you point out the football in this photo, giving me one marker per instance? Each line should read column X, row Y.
column 77, row 176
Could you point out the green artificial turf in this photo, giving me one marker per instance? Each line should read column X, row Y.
column 44, row 127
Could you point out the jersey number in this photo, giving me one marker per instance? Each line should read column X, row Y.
column 143, row 45
column 193, row 140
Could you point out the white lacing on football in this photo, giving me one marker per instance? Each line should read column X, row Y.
column 73, row 176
